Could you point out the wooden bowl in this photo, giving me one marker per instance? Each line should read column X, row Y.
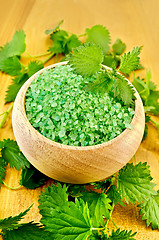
column 72, row 164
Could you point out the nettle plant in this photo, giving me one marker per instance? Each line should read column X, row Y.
column 72, row 211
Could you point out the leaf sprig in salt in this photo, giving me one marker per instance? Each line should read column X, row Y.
column 87, row 60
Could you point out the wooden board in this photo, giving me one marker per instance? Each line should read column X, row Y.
column 136, row 22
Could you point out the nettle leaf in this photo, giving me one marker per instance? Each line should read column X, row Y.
column 14, row 88
column 99, row 35
column 122, row 235
column 72, row 42
column 31, row 178
column 28, row 231
column 141, row 87
column 33, row 67
column 59, row 39
column 70, row 223
column 102, row 83
column 75, row 190
column 134, row 183
column 48, row 31
column 12, row 155
column 145, row 132
column 152, row 102
column 15, row 47
column 99, row 206
column 115, row 235
column 66, row 220
column 11, row 66
column 114, row 195
column 148, row 93
column 130, row 61
column 111, row 60
column 86, row 59
column 118, row 47
column 123, row 90
column 150, row 211
column 3, row 165
column 53, row 197
column 11, row 223
column 95, row 237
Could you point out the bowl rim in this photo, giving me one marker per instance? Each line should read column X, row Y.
column 21, row 107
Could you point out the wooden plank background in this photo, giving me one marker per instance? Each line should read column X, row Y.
column 136, row 22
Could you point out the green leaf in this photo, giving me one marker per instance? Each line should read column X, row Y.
column 14, row 88
column 3, row 165
column 70, row 223
column 28, row 231
column 148, row 78
column 11, row 223
column 102, row 185
column 59, row 39
column 152, row 101
column 148, row 94
column 147, row 118
column 99, row 35
column 130, row 61
column 72, row 42
column 31, row 178
column 145, row 132
column 111, row 60
column 33, row 67
column 15, row 47
column 62, row 43
column 140, row 67
column 48, row 31
column 86, row 59
column 1, row 144
column 99, row 206
column 141, row 87
column 96, row 237
column 114, row 195
column 150, row 211
column 123, row 90
column 75, row 190
column 102, row 84
column 53, row 197
column 134, row 183
column 10, row 66
column 12, row 155
column 66, row 220
column 115, row 235
column 118, row 47
column 122, row 235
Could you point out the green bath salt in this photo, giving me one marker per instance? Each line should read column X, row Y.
column 58, row 106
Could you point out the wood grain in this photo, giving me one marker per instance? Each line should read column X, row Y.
column 136, row 22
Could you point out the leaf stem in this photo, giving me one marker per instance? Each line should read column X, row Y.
column 2, row 113
column 106, row 225
column 41, row 55
column 135, row 159
column 155, row 123
column 48, row 58
column 12, row 188
column 36, row 56
column 113, row 222
column 6, row 115
column 82, row 35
